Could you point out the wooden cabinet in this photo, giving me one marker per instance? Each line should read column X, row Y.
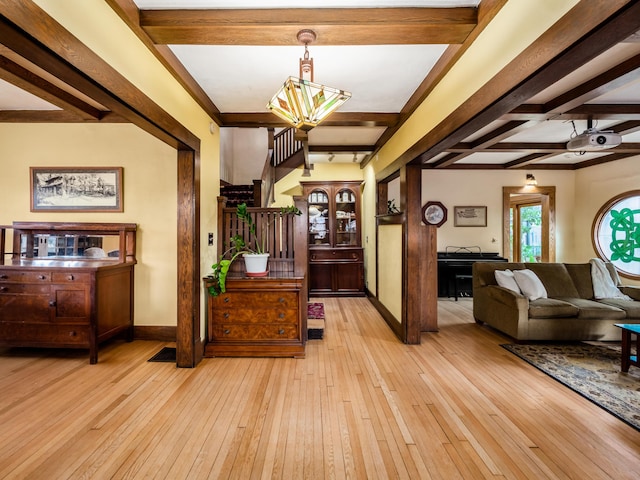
column 336, row 258
column 257, row 317
column 71, row 302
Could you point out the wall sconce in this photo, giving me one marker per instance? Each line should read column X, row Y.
column 531, row 180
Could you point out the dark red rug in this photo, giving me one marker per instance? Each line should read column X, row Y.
column 315, row 320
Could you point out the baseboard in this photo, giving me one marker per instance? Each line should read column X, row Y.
column 162, row 334
column 393, row 323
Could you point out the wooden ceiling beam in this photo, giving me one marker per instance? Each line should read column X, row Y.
column 32, row 83
column 337, row 119
column 619, row 76
column 54, row 116
column 25, row 30
column 530, row 73
column 333, row 26
column 528, row 160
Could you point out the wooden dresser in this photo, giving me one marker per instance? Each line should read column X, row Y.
column 257, row 317
column 261, row 316
column 66, row 302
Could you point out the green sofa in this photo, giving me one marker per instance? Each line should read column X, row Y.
column 569, row 312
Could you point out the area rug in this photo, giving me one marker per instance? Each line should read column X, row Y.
column 167, row 354
column 593, row 371
column 315, row 321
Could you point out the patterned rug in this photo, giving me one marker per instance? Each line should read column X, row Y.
column 315, row 320
column 593, row 371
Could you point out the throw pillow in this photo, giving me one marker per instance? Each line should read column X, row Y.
column 530, row 285
column 505, row 279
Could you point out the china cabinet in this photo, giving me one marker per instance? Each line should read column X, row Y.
column 336, row 259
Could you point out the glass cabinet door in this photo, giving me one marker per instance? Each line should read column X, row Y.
column 345, row 221
column 318, row 217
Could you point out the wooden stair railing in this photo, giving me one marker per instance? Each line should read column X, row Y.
column 286, row 236
column 285, row 154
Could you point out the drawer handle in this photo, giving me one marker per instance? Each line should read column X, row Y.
column 4, row 289
column 227, row 331
column 226, row 299
column 70, row 277
column 281, row 300
column 281, row 331
column 41, row 277
column 3, row 277
column 281, row 315
column 226, row 314
column 72, row 333
column 52, row 303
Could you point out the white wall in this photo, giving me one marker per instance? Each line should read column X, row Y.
column 484, row 188
column 243, row 154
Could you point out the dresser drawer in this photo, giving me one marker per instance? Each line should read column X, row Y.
column 256, row 300
column 336, row 254
column 21, row 276
column 254, row 316
column 25, row 288
column 64, row 277
column 270, row 332
column 44, row 335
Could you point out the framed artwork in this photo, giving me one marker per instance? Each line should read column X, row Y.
column 434, row 213
column 83, row 189
column 470, row 216
column 615, row 233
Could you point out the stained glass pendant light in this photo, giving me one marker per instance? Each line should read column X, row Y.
column 301, row 102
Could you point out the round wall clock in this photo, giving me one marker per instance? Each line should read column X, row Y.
column 434, row 213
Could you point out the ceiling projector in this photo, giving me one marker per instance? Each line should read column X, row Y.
column 591, row 140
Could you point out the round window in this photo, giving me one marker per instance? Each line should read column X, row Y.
column 616, row 233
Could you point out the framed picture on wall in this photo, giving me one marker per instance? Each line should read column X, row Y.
column 80, row 189
column 470, row 216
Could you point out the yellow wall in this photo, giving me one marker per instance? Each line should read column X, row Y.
column 390, row 269
column 290, row 185
column 95, row 24
column 149, row 197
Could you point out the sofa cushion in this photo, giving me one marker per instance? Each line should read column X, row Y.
column 506, row 279
column 631, row 307
column 484, row 272
column 581, row 275
column 555, row 278
column 551, row 308
column 530, row 285
column 588, row 309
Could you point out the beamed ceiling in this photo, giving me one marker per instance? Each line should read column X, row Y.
column 232, row 57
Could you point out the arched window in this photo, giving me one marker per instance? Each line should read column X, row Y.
column 616, row 233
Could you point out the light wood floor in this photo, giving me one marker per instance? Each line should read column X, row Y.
column 361, row 405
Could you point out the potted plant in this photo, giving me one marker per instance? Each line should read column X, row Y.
column 255, row 249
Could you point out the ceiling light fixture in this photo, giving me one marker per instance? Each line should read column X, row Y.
column 531, row 180
column 355, row 157
column 301, row 102
column 331, row 157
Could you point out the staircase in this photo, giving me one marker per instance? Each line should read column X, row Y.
column 237, row 194
column 285, row 154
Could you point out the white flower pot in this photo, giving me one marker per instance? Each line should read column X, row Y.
column 255, row 264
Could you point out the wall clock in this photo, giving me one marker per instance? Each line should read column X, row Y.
column 434, row 213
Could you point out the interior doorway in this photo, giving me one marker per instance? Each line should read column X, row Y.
column 529, row 224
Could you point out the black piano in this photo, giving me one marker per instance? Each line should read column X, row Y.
column 454, row 269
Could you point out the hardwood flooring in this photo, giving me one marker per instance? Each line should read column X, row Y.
column 360, row 405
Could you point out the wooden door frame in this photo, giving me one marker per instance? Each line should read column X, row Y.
column 548, row 233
